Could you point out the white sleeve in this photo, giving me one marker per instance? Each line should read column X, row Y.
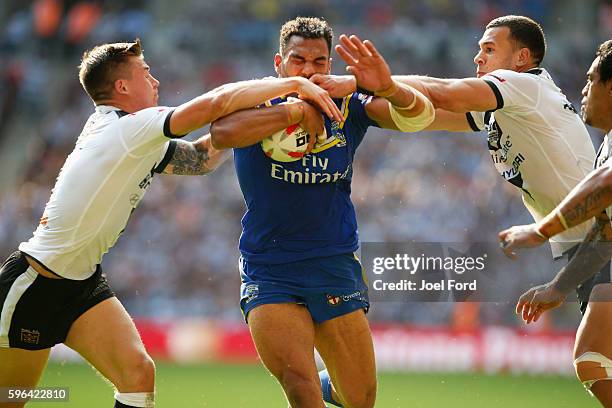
column 146, row 126
column 515, row 92
column 166, row 156
column 476, row 120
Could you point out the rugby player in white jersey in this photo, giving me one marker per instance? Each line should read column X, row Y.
column 52, row 290
column 535, row 136
column 589, row 269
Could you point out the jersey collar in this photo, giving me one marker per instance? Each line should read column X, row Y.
column 534, row 71
column 539, row 72
column 109, row 108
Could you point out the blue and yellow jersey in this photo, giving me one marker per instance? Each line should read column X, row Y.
column 303, row 209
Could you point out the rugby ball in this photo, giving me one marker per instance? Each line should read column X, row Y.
column 287, row 145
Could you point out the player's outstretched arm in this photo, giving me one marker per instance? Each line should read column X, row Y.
column 591, row 256
column 588, row 199
column 250, row 126
column 397, row 106
column 195, row 158
column 340, row 86
column 450, row 121
column 233, row 97
column 454, row 95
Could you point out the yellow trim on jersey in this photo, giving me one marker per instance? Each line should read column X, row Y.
column 326, row 146
column 345, row 109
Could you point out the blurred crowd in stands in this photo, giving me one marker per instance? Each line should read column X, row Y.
column 178, row 256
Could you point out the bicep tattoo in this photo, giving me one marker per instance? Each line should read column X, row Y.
column 189, row 159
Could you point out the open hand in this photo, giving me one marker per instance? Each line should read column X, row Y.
column 365, row 62
column 538, row 300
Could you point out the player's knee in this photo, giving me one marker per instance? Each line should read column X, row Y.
column 299, row 385
column 364, row 398
column 592, row 367
column 138, row 375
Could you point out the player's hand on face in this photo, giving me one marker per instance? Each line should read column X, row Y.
column 364, row 61
column 338, row 86
column 521, row 236
column 319, row 97
column 538, row 300
column 313, row 124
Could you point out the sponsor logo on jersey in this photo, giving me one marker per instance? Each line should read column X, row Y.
column 146, row 182
column 495, row 133
column 338, row 134
column 308, row 175
column 499, row 146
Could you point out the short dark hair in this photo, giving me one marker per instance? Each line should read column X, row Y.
column 101, row 66
column 526, row 32
column 305, row 27
column 604, row 52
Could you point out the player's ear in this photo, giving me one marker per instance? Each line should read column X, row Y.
column 121, row 87
column 524, row 57
column 278, row 59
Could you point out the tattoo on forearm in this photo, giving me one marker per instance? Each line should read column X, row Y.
column 189, row 160
column 592, row 254
column 599, row 198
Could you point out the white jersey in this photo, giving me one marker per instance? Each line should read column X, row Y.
column 98, row 187
column 538, row 143
column 604, row 153
column 603, row 159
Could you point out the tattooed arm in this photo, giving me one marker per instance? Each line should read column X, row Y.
column 592, row 255
column 195, row 158
column 588, row 199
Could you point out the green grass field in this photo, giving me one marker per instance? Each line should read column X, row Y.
column 250, row 386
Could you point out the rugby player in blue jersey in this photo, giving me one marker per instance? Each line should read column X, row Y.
column 302, row 286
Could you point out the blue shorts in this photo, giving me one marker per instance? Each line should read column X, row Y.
column 328, row 287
